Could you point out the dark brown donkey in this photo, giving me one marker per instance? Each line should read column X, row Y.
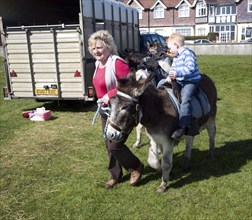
column 139, row 101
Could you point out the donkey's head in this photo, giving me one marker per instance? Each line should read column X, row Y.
column 124, row 107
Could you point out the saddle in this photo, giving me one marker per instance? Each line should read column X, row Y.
column 200, row 106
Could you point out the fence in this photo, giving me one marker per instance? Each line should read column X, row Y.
column 221, row 49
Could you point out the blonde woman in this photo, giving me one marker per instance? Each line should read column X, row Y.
column 110, row 67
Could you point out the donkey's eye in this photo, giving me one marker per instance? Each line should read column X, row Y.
column 124, row 107
column 129, row 109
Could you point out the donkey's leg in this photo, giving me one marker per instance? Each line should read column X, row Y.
column 211, row 130
column 139, row 130
column 166, row 165
column 188, row 151
column 153, row 157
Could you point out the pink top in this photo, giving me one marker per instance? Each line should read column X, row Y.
column 121, row 68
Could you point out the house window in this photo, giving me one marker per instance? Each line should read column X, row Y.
column 201, row 9
column 184, row 31
column 226, row 10
column 140, row 12
column 248, row 32
column 223, row 10
column 183, row 10
column 249, row 5
column 159, row 11
column 211, row 28
column 226, row 32
column 211, row 10
column 201, row 32
column 243, row 34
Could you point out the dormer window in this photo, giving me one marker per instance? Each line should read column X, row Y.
column 184, row 10
column 158, row 11
column 226, row 10
column 201, row 9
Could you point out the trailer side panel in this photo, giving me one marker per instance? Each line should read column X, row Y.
column 45, row 63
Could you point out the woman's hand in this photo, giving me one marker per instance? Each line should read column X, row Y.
column 105, row 99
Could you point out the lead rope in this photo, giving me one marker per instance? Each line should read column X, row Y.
column 99, row 107
column 105, row 109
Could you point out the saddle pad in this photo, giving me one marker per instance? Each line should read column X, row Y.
column 200, row 104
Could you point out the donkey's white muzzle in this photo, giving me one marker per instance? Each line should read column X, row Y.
column 113, row 134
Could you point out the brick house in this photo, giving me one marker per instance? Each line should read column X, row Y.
column 244, row 19
column 231, row 19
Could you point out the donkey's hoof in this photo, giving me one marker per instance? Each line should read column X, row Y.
column 136, row 145
column 161, row 189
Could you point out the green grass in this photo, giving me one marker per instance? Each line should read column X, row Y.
column 56, row 169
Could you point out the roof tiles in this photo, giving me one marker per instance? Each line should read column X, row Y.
column 172, row 3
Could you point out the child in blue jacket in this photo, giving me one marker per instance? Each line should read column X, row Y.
column 185, row 72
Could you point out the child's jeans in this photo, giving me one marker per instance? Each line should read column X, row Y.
column 187, row 92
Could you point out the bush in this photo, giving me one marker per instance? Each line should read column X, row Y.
column 195, row 37
column 212, row 36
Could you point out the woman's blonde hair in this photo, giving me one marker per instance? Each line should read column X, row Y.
column 106, row 38
column 178, row 38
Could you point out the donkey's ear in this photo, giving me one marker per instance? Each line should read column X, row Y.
column 142, row 84
column 130, row 77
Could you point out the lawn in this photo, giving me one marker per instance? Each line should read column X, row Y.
column 56, row 169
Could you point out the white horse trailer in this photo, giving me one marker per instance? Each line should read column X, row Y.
column 46, row 49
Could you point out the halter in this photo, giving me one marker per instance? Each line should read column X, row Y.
column 127, row 96
column 134, row 99
column 115, row 133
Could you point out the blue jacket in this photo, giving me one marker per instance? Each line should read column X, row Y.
column 186, row 67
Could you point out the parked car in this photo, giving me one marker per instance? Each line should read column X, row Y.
column 152, row 39
column 202, row 41
column 247, row 41
column 189, row 41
